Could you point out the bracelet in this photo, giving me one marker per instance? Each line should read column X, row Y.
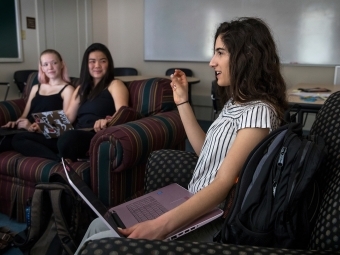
column 183, row 103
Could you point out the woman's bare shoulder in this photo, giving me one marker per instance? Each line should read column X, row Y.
column 69, row 88
column 117, row 82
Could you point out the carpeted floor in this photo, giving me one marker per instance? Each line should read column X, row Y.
column 14, row 226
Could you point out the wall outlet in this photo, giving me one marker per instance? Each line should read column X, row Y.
column 23, row 34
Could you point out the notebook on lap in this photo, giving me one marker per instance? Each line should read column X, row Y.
column 52, row 123
column 140, row 209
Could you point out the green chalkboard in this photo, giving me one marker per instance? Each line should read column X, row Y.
column 10, row 41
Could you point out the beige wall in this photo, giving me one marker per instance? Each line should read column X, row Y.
column 125, row 40
column 100, row 21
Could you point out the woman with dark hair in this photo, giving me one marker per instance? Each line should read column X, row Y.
column 99, row 95
column 52, row 93
column 247, row 69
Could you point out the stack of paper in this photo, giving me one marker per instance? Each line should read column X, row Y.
column 309, row 94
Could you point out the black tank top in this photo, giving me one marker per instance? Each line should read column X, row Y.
column 41, row 103
column 95, row 109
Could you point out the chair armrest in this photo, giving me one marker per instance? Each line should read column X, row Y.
column 123, row 115
column 118, row 154
column 11, row 110
column 141, row 246
column 132, row 142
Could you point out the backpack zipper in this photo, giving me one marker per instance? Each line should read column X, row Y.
column 279, row 168
column 28, row 212
column 296, row 181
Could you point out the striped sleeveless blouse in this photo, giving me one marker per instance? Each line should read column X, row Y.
column 222, row 133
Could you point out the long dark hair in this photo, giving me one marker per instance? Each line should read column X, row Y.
column 87, row 90
column 254, row 64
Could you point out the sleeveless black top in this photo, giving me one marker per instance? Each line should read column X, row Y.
column 95, row 109
column 41, row 103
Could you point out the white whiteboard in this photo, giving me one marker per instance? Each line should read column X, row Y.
column 307, row 32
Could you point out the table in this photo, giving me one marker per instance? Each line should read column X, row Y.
column 191, row 80
column 306, row 106
column 8, row 85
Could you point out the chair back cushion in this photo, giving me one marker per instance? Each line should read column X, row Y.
column 74, row 81
column 188, row 72
column 151, row 96
column 20, row 78
column 31, row 81
column 326, row 233
column 125, row 71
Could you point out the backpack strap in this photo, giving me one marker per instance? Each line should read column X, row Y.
column 64, row 231
column 41, row 210
column 293, row 114
column 47, row 200
column 6, row 238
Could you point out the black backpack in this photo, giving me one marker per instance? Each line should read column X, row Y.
column 57, row 220
column 277, row 195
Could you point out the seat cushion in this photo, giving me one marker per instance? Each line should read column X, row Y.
column 326, row 233
column 151, row 96
column 169, row 166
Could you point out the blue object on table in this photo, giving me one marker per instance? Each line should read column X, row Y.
column 309, row 99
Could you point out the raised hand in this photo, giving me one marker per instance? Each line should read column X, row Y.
column 179, row 86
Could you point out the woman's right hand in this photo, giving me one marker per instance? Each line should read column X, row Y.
column 23, row 123
column 100, row 124
column 150, row 229
column 10, row 124
column 179, row 85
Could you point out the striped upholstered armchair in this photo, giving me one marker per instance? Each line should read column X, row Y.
column 118, row 154
column 19, row 174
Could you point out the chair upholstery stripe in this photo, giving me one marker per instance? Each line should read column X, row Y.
column 104, row 166
column 11, row 110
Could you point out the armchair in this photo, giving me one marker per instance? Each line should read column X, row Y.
column 20, row 77
column 118, row 154
column 19, row 174
column 325, row 237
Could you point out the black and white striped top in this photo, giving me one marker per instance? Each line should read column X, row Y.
column 222, row 133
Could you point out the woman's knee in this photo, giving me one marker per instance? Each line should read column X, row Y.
column 65, row 140
column 19, row 141
column 97, row 226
